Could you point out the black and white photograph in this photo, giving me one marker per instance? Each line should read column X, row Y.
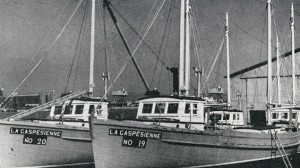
column 150, row 83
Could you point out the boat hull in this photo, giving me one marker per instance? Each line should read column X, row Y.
column 25, row 143
column 178, row 147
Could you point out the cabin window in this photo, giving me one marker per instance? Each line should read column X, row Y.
column 160, row 108
column 284, row 115
column 68, row 109
column 294, row 115
column 92, row 108
column 147, row 108
column 233, row 117
column 274, row 115
column 187, row 108
column 215, row 117
column 57, row 110
column 172, row 108
column 226, row 117
column 79, row 109
column 238, row 117
column 195, row 108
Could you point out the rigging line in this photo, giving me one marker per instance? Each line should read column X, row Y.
column 218, row 69
column 245, row 31
column 132, row 55
column 162, row 43
column 217, row 56
column 260, row 56
column 64, row 27
column 103, row 23
column 139, row 36
column 79, row 37
column 79, row 56
column 36, row 53
column 165, row 50
column 195, row 40
column 197, row 33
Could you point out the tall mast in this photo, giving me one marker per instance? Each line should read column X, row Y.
column 184, row 59
column 269, row 62
column 293, row 55
column 92, row 50
column 105, row 75
column 181, row 58
column 278, row 71
column 187, row 47
column 228, row 61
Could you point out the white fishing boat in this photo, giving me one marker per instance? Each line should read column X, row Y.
column 64, row 138
column 176, row 136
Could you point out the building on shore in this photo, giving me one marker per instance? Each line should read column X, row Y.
column 249, row 85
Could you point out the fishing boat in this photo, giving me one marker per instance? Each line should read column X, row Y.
column 61, row 140
column 174, row 134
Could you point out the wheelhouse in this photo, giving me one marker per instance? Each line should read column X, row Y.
column 80, row 109
column 181, row 112
column 225, row 118
column 282, row 116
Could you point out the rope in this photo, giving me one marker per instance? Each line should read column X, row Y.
column 128, row 57
column 160, row 47
column 164, row 55
column 246, row 32
column 217, row 56
column 139, row 37
column 35, row 54
column 79, row 37
column 44, row 54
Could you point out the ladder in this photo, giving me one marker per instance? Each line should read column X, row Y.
column 45, row 105
column 281, row 150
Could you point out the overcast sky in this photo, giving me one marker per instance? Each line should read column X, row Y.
column 30, row 27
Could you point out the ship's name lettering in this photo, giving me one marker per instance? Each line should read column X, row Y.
column 134, row 133
column 27, row 131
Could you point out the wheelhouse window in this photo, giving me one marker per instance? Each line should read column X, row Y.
column 79, row 109
column 215, row 117
column 234, row 117
column 92, row 108
column 57, row 110
column 294, row 115
column 195, row 108
column 68, row 109
column 172, row 108
column 284, row 115
column 187, row 108
column 275, row 115
column 160, row 108
column 238, row 116
column 226, row 117
column 147, row 109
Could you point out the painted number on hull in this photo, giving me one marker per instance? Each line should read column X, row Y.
column 136, row 142
column 35, row 139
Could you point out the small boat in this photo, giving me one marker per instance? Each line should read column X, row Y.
column 172, row 131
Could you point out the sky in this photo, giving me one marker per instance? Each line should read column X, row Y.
column 29, row 31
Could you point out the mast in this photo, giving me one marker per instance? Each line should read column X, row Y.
column 105, row 75
column 187, row 48
column 92, row 50
column 228, row 62
column 293, row 55
column 269, row 82
column 278, row 71
column 181, row 58
column 184, row 59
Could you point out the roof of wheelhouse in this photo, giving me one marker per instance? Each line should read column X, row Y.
column 174, row 97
